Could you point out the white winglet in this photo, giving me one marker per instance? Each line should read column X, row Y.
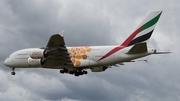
column 61, row 33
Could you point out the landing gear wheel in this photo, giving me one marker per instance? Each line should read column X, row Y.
column 84, row 72
column 76, row 74
column 13, row 73
column 61, row 71
column 81, row 73
column 71, row 72
column 65, row 70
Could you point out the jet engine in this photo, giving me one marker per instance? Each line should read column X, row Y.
column 35, row 62
column 38, row 54
column 99, row 69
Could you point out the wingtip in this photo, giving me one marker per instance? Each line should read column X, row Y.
column 61, row 33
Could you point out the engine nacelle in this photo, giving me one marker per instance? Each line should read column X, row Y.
column 35, row 62
column 99, row 69
column 38, row 54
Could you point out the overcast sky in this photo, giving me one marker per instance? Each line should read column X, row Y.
column 30, row 23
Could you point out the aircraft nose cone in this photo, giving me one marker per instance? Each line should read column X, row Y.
column 6, row 62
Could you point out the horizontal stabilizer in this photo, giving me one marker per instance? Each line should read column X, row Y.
column 138, row 48
column 162, row 52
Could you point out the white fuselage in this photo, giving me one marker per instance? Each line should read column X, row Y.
column 81, row 57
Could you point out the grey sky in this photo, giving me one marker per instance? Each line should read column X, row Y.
column 30, row 23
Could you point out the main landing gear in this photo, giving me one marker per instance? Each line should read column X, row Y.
column 64, row 71
column 80, row 72
column 76, row 72
column 13, row 73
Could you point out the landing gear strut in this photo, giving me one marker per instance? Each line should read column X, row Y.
column 13, row 73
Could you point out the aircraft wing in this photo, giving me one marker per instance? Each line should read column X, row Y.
column 58, row 54
column 56, row 40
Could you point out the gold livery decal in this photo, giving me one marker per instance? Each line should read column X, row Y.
column 78, row 53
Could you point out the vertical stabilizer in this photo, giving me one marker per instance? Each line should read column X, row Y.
column 141, row 34
column 144, row 30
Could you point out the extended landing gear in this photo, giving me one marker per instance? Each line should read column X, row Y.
column 76, row 72
column 64, row 71
column 80, row 72
column 13, row 73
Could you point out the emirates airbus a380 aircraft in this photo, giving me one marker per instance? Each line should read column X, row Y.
column 76, row 60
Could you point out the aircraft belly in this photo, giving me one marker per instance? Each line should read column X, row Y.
column 53, row 67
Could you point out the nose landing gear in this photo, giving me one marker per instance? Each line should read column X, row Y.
column 13, row 73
